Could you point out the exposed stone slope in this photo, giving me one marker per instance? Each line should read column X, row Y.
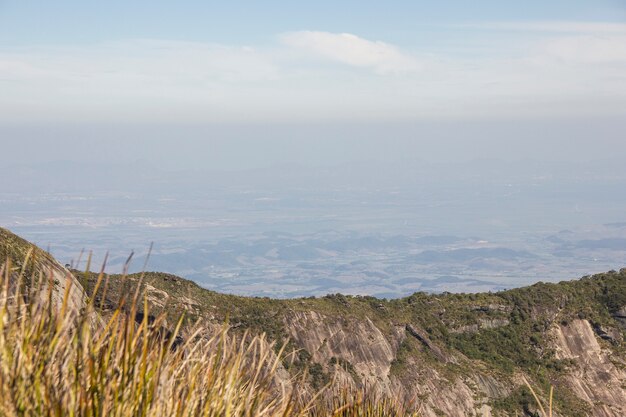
column 23, row 255
column 446, row 354
column 599, row 375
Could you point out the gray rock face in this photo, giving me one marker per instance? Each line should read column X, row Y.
column 436, row 352
column 359, row 343
column 371, row 353
column 65, row 281
column 596, row 376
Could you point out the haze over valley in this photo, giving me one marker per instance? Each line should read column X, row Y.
column 373, row 228
column 285, row 150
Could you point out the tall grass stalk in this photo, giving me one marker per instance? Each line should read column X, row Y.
column 55, row 362
column 544, row 413
column 58, row 359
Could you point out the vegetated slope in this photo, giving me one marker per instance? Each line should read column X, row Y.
column 57, row 360
column 447, row 354
column 450, row 354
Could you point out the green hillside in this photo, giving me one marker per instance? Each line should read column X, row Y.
column 442, row 354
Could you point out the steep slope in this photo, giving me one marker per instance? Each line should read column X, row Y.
column 37, row 264
column 446, row 354
column 449, row 354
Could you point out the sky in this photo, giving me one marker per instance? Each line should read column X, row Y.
column 105, row 73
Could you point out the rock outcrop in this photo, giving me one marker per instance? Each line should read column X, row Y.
column 447, row 354
column 22, row 257
column 598, row 376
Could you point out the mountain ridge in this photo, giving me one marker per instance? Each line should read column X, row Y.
column 449, row 354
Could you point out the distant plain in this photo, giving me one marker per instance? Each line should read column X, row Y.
column 302, row 231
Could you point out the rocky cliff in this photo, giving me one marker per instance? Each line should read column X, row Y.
column 444, row 354
column 447, row 354
column 36, row 265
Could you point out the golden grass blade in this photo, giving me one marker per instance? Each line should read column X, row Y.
column 98, row 281
column 532, row 391
column 551, row 396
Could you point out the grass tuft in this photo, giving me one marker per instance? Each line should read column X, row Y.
column 62, row 359
column 57, row 360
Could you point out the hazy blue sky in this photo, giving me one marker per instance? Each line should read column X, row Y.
column 503, row 120
column 108, row 72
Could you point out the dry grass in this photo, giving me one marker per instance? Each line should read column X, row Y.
column 62, row 360
column 56, row 360
column 346, row 402
column 539, row 403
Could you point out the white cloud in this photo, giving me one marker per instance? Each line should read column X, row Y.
column 146, row 80
column 352, row 50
